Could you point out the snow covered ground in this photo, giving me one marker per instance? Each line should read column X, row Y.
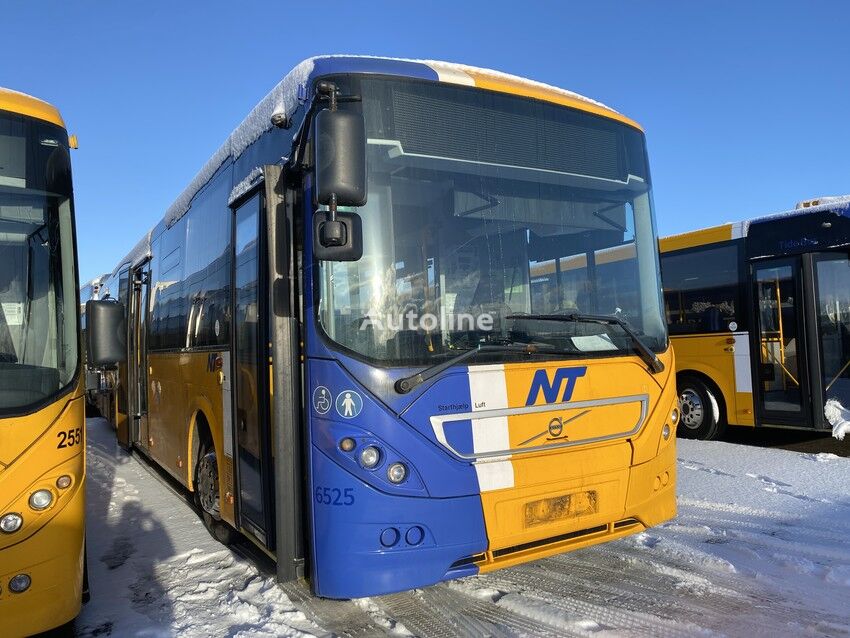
column 761, row 547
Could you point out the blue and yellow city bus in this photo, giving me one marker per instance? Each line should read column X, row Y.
column 406, row 326
column 42, row 434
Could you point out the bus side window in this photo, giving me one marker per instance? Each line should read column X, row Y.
column 702, row 289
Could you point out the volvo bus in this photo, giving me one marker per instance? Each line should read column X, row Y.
column 406, row 326
column 42, row 434
column 759, row 314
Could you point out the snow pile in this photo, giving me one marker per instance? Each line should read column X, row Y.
column 838, row 417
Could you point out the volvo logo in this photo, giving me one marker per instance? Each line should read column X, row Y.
column 555, row 429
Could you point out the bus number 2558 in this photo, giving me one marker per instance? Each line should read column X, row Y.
column 69, row 438
column 334, row 496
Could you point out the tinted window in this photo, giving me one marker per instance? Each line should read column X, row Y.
column 168, row 312
column 702, row 292
column 207, row 269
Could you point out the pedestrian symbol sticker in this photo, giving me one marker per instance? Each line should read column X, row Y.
column 322, row 400
column 348, row 404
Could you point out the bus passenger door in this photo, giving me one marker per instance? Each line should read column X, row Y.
column 250, row 374
column 780, row 344
column 138, row 360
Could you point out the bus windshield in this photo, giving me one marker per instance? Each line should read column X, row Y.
column 38, row 301
column 483, row 206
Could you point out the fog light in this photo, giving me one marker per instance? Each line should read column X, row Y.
column 396, row 472
column 63, row 482
column 20, row 583
column 369, row 456
column 674, row 416
column 665, row 431
column 41, row 499
column 11, row 522
column 347, row 444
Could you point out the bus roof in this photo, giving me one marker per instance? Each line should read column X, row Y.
column 292, row 90
column 737, row 230
column 18, row 102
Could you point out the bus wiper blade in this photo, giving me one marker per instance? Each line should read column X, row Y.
column 406, row 384
column 649, row 357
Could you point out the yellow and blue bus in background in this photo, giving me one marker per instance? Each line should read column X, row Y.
column 404, row 326
column 42, row 434
column 759, row 315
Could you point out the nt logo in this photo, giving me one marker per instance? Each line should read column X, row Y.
column 551, row 389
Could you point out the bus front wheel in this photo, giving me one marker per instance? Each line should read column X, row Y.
column 701, row 414
column 208, row 498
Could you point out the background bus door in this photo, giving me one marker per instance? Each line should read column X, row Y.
column 250, row 374
column 779, row 344
column 137, row 362
column 831, row 310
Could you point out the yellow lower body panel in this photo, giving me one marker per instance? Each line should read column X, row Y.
column 528, row 524
column 53, row 558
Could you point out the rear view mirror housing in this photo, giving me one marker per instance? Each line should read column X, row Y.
column 340, row 152
column 106, row 333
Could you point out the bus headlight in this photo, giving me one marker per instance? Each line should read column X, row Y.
column 665, row 432
column 674, row 416
column 20, row 583
column 11, row 522
column 63, row 482
column 369, row 456
column 396, row 473
column 41, row 499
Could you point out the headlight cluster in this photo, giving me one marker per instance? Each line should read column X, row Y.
column 40, row 500
column 370, row 457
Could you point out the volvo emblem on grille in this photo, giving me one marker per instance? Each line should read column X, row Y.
column 555, row 429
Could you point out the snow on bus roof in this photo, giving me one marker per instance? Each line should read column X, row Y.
column 837, row 205
column 840, row 206
column 285, row 97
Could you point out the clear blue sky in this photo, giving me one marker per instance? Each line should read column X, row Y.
column 745, row 104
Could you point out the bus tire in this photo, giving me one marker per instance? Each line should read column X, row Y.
column 208, row 499
column 701, row 412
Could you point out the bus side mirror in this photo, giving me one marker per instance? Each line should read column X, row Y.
column 340, row 152
column 340, row 138
column 106, row 333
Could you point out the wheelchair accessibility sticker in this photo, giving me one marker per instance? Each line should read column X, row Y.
column 322, row 400
column 348, row 404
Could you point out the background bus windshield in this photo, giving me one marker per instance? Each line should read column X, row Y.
column 38, row 307
column 483, row 205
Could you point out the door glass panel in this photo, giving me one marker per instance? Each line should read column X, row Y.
column 833, row 311
column 247, row 351
column 780, row 349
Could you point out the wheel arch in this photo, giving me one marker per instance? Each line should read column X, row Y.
column 723, row 403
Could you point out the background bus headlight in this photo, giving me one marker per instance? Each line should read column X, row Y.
column 11, row 522
column 396, row 472
column 41, row 499
column 369, row 456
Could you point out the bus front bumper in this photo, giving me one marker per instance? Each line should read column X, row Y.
column 53, row 559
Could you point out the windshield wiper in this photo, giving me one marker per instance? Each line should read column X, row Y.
column 649, row 357
column 406, row 384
